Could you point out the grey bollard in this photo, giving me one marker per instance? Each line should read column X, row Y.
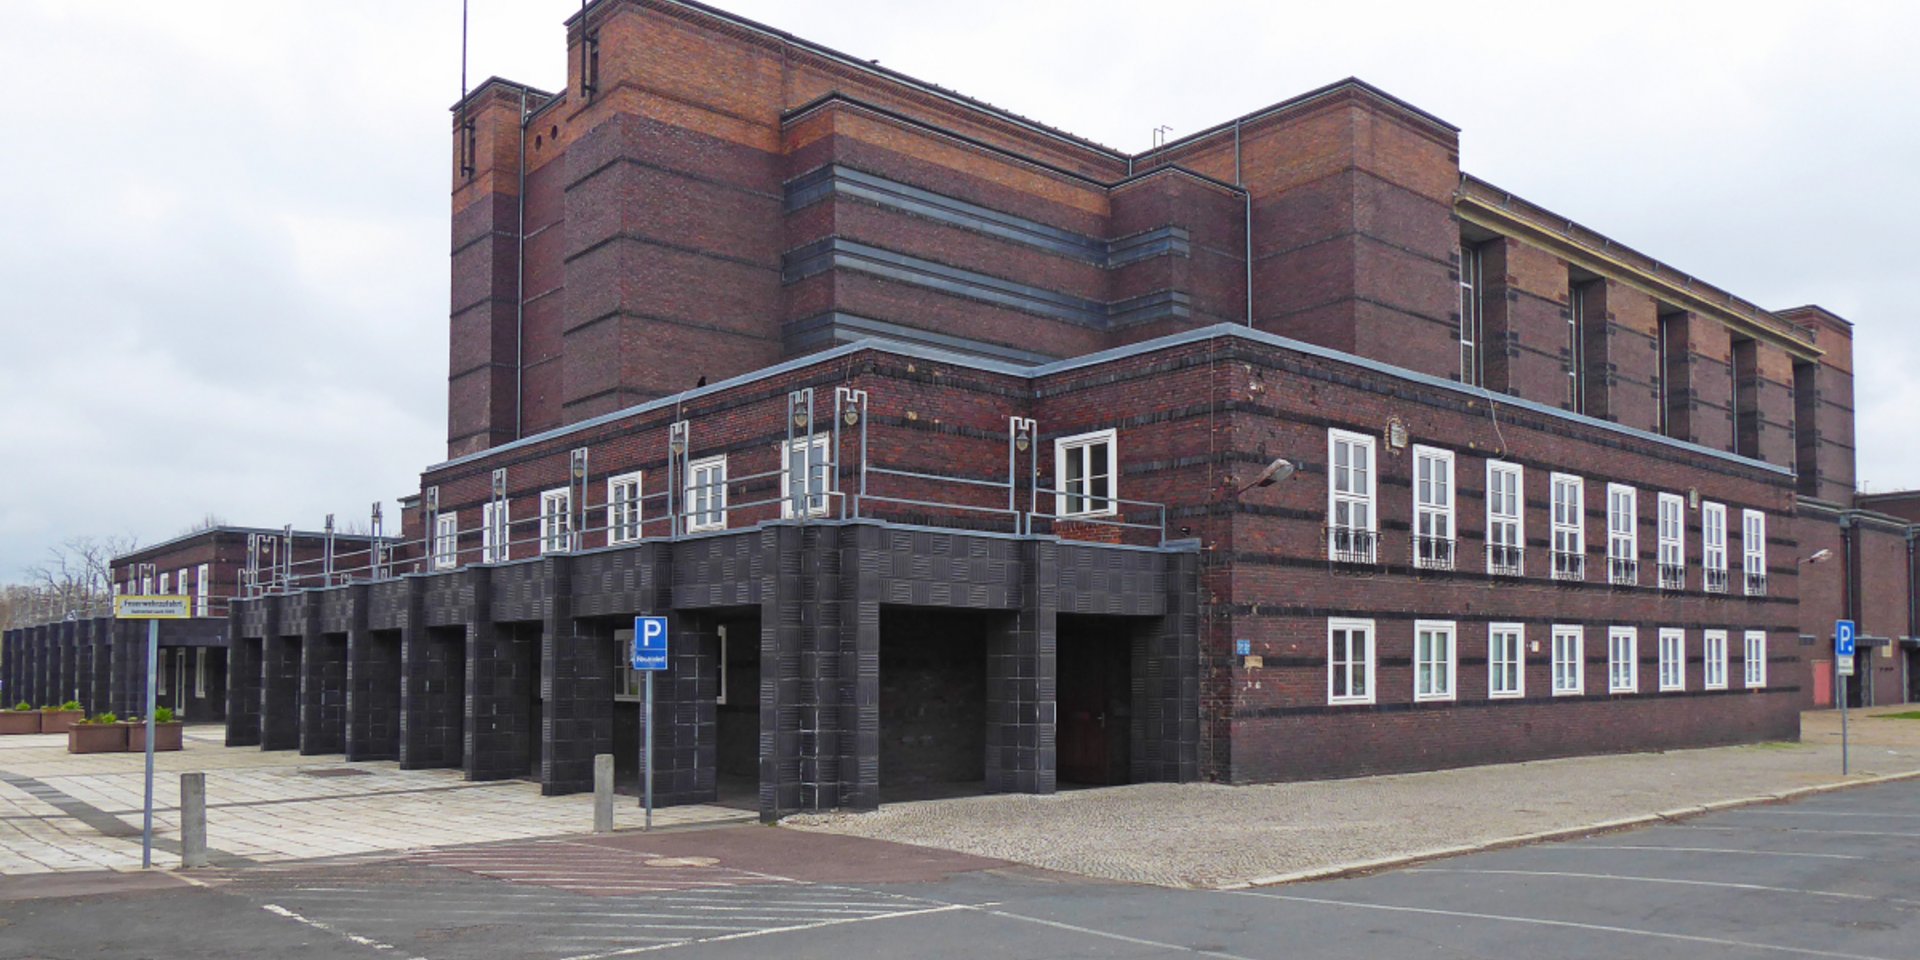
column 603, row 793
column 193, row 820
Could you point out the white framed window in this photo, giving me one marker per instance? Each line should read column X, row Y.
column 202, row 588
column 720, row 693
column 1432, row 508
column 1623, row 535
column 1470, row 314
column 1753, row 548
column 181, row 585
column 1623, row 660
column 1506, row 519
column 1713, row 547
column 1433, row 659
column 1673, row 659
column 628, row 683
column 446, row 540
column 1506, row 660
column 1084, row 467
column 623, row 507
column 1569, row 527
column 1569, row 660
column 1351, row 518
column 146, row 585
column 1672, row 538
column 1714, row 670
column 707, row 494
column 200, row 673
column 806, row 458
column 1349, row 661
column 1755, row 659
column 496, row 531
column 556, row 521
column 165, row 580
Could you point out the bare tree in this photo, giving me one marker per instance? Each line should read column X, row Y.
column 208, row 522
column 77, row 578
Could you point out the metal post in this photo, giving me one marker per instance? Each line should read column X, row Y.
column 1841, row 683
column 193, row 820
column 603, row 793
column 153, row 666
column 647, row 761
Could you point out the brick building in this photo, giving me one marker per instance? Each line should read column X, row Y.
column 962, row 450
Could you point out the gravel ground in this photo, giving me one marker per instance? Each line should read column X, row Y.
column 1208, row 835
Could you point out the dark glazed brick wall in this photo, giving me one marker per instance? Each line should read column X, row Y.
column 323, row 693
column 280, row 693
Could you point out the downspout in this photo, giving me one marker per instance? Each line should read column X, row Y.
column 1246, row 201
column 1846, row 586
column 520, row 283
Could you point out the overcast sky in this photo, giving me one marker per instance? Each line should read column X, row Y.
column 225, row 245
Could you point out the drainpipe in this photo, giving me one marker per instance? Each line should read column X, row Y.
column 1846, row 584
column 520, row 284
column 1246, row 202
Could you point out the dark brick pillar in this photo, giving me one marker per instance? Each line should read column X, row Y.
column 432, row 687
column 82, row 683
column 1166, row 719
column 37, row 664
column 280, row 688
column 855, row 646
column 9, row 667
column 129, row 667
column 61, row 672
column 576, row 685
column 1021, row 683
column 323, row 692
column 243, row 684
column 373, row 688
column 782, row 693
column 502, row 687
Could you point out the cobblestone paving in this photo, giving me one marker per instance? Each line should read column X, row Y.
column 1209, row 835
column 268, row 806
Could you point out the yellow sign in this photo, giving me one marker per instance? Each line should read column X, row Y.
column 153, row 607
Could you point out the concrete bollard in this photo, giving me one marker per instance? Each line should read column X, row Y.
column 603, row 793
column 193, row 820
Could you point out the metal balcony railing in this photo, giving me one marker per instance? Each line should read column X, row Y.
column 1504, row 560
column 1756, row 584
column 1432, row 553
column 1623, row 571
column 1352, row 545
column 1715, row 581
column 1673, row 576
column 1569, row 566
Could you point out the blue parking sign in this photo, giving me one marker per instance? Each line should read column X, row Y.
column 1843, row 638
column 649, row 643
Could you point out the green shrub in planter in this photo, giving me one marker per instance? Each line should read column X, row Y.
column 23, row 706
column 108, row 717
column 162, row 714
column 72, row 705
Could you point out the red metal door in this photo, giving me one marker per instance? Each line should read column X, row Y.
column 1823, row 683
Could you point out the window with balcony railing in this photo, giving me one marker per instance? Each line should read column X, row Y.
column 1756, row 584
column 1715, row 581
column 1352, row 545
column 1432, row 553
column 1506, row 561
column 1623, row 571
column 1569, row 566
column 1673, row 576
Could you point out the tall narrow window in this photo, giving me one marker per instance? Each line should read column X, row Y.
column 1083, row 469
column 1714, row 668
column 1746, row 398
column 1673, row 659
column 1623, row 660
column 181, row 585
column 1569, row 527
column 629, row 685
column 1471, row 314
column 202, row 589
column 1806, row 425
column 1577, row 294
column 707, row 494
column 807, row 463
column 1569, row 661
column 1753, row 548
column 1670, row 366
column 623, row 507
column 1673, row 542
column 496, row 531
column 1713, row 546
column 556, row 521
column 1350, row 513
column 446, row 540
column 1349, row 661
column 1433, row 652
column 1506, row 660
column 1623, row 535
column 1432, row 508
column 1755, row 658
column 166, row 579
column 1506, row 520
column 200, row 673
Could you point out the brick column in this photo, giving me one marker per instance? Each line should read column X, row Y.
column 576, row 683
column 857, row 650
column 782, row 696
column 9, row 667
column 280, row 676
column 373, row 687
column 243, row 680
column 1165, row 737
column 432, row 688
column 1021, row 682
column 129, row 667
column 323, row 690
column 500, row 688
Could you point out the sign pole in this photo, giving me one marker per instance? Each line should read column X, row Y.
column 1843, row 653
column 153, row 667
column 649, row 747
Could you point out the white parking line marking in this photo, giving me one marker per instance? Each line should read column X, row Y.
column 1109, row 935
column 1669, row 880
column 761, row 933
column 279, row 910
column 1567, row 924
column 1756, row 853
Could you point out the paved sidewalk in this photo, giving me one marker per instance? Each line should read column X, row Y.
column 1208, row 835
column 61, row 812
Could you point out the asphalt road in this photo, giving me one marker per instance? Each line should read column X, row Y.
column 1835, row 876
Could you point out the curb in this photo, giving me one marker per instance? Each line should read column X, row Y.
column 1373, row 865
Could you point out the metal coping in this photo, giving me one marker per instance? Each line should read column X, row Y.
column 1198, row 334
column 225, row 528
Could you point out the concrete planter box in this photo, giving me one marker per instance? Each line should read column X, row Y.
column 97, row 738
column 19, row 721
column 166, row 736
column 57, row 721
